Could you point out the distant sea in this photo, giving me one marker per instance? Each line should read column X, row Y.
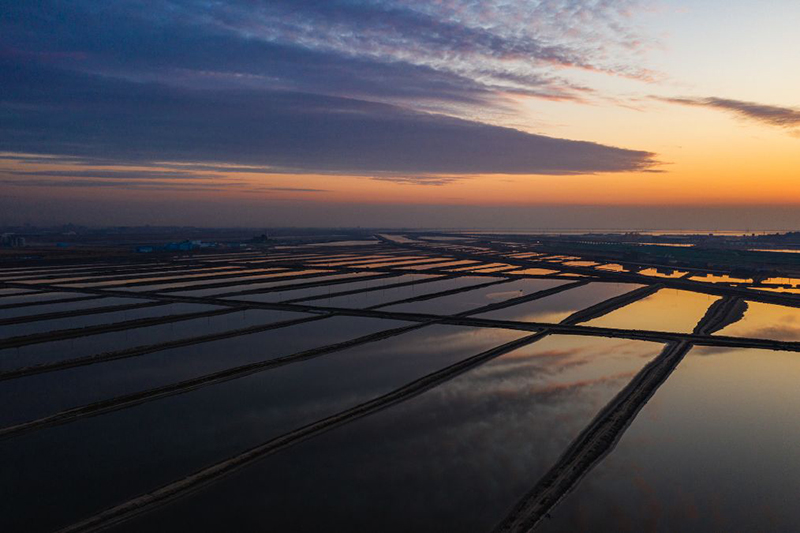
column 584, row 231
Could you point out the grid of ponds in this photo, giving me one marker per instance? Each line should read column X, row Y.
column 408, row 385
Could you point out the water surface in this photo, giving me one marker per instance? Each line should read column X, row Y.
column 475, row 298
column 665, row 310
column 766, row 321
column 96, row 462
column 11, row 358
column 385, row 296
column 715, row 449
column 559, row 306
column 452, row 459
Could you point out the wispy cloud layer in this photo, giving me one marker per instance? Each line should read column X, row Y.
column 80, row 115
column 784, row 117
column 420, row 180
column 455, row 50
column 333, row 86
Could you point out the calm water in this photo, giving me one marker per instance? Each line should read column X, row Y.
column 310, row 292
column 87, row 302
column 10, row 291
column 164, row 440
column 714, row 450
column 472, row 299
column 232, row 281
column 452, row 459
column 45, row 326
column 766, row 321
column 373, row 298
column 559, row 306
column 269, row 284
column 34, row 297
column 44, row 394
column 11, row 358
column 666, row 310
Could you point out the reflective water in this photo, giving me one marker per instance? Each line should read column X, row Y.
column 373, row 298
column 365, row 260
column 332, row 260
column 11, row 358
column 559, row 306
column 666, row 310
column 452, row 459
column 502, row 268
column 10, row 291
column 613, row 267
column 226, row 281
column 523, row 255
column 720, row 278
column 479, row 266
column 108, row 317
column 663, row 272
column 398, row 238
column 580, row 263
column 310, row 292
column 792, row 290
column 402, row 263
column 33, row 297
column 45, row 394
column 534, row 271
column 473, row 299
column 232, row 289
column 715, row 449
column 165, row 277
column 157, row 442
column 442, row 264
column 86, row 302
column 766, row 321
column 782, row 281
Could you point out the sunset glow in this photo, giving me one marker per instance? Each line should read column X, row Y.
column 257, row 110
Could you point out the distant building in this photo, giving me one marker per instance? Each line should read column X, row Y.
column 11, row 240
column 183, row 245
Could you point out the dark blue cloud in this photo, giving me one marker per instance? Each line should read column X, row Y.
column 333, row 86
column 785, row 117
column 73, row 114
column 113, row 174
column 115, row 184
column 381, row 48
column 421, row 180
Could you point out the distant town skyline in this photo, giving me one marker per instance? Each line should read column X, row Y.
column 521, row 113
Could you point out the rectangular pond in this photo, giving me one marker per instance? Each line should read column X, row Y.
column 243, row 280
column 41, row 395
column 37, row 297
column 361, row 283
column 766, row 321
column 84, row 302
column 254, row 287
column 96, row 462
column 107, row 317
column 559, row 306
column 715, row 449
column 381, row 297
column 475, row 298
column 665, row 310
column 59, row 350
column 454, row 458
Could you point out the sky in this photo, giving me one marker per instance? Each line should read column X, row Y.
column 401, row 113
